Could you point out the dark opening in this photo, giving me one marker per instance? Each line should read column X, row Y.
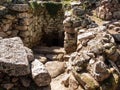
column 53, row 39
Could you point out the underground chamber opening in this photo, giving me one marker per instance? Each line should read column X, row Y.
column 53, row 39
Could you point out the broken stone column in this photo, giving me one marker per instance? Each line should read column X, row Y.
column 39, row 74
column 70, row 40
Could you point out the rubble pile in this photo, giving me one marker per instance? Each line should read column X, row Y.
column 18, row 68
column 74, row 21
column 108, row 9
column 88, row 61
column 18, row 19
column 94, row 64
column 113, row 27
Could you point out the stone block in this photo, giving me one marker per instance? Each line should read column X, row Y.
column 39, row 74
column 2, row 34
column 13, row 57
column 19, row 7
column 87, row 35
column 24, row 15
column 55, row 68
column 22, row 28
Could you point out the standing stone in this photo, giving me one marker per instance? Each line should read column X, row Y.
column 39, row 74
column 70, row 40
column 13, row 57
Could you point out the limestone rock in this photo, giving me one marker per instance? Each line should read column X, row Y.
column 73, row 83
column 100, row 71
column 65, row 80
column 30, row 55
column 116, row 14
column 108, row 9
column 39, row 74
column 56, row 83
column 2, row 34
column 111, row 83
column 87, row 81
column 85, row 36
column 55, row 68
column 41, row 58
column 19, row 7
column 13, row 57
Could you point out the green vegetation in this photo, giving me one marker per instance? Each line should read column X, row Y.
column 51, row 7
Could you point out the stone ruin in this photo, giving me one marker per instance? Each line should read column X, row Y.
column 17, row 60
column 33, row 26
column 94, row 61
column 108, row 9
column 89, row 56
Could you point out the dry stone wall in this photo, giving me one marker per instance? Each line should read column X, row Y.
column 108, row 9
column 94, row 65
column 75, row 20
column 30, row 25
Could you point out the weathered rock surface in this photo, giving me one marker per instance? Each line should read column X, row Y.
column 41, row 58
column 55, row 68
column 111, row 83
column 94, row 65
column 56, row 83
column 20, row 20
column 100, row 71
column 74, row 84
column 39, row 74
column 19, row 7
column 13, row 57
column 89, row 64
column 114, row 29
column 108, row 9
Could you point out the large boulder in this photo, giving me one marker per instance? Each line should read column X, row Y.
column 13, row 57
column 55, row 68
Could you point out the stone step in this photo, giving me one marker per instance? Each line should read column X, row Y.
column 49, row 50
column 49, row 57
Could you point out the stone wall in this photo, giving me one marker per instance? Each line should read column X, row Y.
column 76, row 18
column 108, row 9
column 30, row 25
column 2, row 1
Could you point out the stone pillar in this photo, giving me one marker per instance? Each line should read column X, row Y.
column 70, row 39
